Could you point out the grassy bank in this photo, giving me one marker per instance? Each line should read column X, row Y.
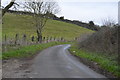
column 28, row 51
column 22, row 24
column 103, row 61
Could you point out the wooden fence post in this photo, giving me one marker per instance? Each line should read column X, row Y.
column 5, row 39
column 47, row 39
column 50, row 38
column 5, row 44
column 24, row 39
column 16, row 39
column 58, row 39
column 43, row 39
column 75, row 38
column 54, row 39
column 32, row 38
column 61, row 38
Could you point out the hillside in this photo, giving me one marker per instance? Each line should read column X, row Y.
column 22, row 24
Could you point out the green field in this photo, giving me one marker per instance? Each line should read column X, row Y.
column 22, row 24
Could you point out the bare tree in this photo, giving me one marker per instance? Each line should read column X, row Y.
column 42, row 11
column 108, row 22
column 7, row 7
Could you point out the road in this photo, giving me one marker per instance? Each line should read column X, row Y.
column 57, row 62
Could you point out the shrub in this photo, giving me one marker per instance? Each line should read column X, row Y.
column 62, row 17
column 104, row 41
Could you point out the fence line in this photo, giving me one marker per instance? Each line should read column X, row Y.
column 26, row 40
column 18, row 41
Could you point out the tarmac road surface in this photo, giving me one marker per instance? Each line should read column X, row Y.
column 57, row 62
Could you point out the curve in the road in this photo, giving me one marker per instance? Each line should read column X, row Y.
column 57, row 62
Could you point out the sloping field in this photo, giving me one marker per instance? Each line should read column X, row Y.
column 22, row 24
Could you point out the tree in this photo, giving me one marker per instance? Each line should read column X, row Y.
column 7, row 7
column 62, row 17
column 41, row 10
column 91, row 23
column 108, row 22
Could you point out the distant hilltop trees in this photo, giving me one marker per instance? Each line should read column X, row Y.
column 89, row 25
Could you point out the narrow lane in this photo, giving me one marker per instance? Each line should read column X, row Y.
column 57, row 62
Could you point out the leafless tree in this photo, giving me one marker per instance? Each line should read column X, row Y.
column 42, row 10
column 12, row 2
column 108, row 22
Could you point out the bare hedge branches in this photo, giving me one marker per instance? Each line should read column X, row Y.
column 103, row 41
column 108, row 22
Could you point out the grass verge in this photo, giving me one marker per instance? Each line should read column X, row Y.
column 103, row 61
column 28, row 51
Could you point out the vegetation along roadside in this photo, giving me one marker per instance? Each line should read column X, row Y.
column 29, row 51
column 100, row 51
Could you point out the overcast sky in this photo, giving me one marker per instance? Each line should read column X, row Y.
column 87, row 10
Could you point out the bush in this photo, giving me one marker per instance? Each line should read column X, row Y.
column 62, row 17
column 104, row 41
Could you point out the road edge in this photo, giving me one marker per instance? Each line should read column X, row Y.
column 94, row 66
